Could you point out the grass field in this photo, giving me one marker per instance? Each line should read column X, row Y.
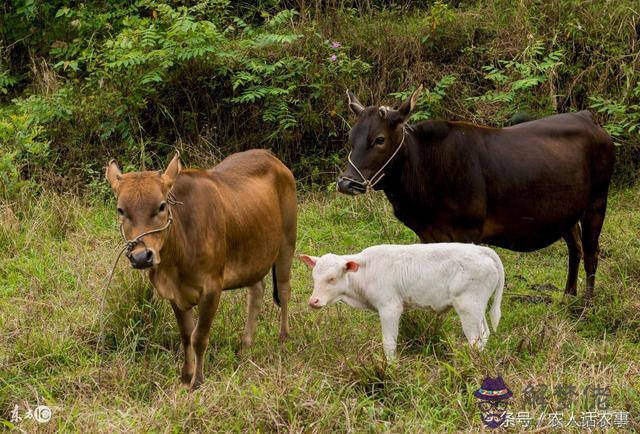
column 56, row 251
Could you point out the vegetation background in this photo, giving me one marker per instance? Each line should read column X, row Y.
column 81, row 82
column 85, row 81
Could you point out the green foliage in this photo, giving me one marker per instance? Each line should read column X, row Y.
column 23, row 149
column 429, row 102
column 6, row 81
column 623, row 118
column 514, row 80
column 133, row 79
column 441, row 15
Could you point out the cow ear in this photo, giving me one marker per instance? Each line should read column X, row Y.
column 309, row 260
column 354, row 104
column 407, row 107
column 351, row 266
column 173, row 169
column 113, row 175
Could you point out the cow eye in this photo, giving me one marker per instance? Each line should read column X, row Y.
column 162, row 207
column 120, row 212
column 379, row 140
column 332, row 280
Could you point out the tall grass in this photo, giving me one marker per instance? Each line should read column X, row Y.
column 330, row 376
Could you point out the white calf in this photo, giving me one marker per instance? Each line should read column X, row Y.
column 389, row 278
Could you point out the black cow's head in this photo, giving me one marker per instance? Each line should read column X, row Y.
column 375, row 138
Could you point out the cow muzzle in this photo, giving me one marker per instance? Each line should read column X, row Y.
column 350, row 187
column 143, row 258
column 315, row 302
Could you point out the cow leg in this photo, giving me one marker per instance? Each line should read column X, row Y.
column 254, row 305
column 283, row 278
column 390, row 321
column 574, row 243
column 474, row 324
column 186, row 325
column 592, row 222
column 200, row 337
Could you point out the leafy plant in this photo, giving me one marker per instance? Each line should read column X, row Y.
column 623, row 118
column 23, row 148
column 515, row 80
column 430, row 101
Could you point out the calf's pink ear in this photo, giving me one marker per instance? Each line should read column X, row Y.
column 351, row 266
column 309, row 260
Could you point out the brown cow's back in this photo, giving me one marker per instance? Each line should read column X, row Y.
column 233, row 217
column 259, row 192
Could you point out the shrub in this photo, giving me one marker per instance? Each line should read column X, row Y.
column 23, row 150
column 134, row 79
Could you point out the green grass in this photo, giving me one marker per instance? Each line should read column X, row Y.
column 55, row 254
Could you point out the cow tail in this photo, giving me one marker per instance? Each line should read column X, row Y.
column 276, row 296
column 495, row 312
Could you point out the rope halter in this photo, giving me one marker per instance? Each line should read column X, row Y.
column 131, row 244
column 368, row 184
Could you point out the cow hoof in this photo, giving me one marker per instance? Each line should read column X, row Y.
column 283, row 337
column 185, row 378
column 195, row 385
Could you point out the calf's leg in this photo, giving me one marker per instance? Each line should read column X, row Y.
column 573, row 239
column 474, row 324
column 390, row 321
column 254, row 305
column 200, row 337
column 186, row 325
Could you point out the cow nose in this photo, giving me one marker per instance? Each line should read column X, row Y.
column 347, row 186
column 314, row 303
column 141, row 259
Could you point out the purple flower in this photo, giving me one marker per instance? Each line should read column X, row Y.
column 333, row 58
column 335, row 44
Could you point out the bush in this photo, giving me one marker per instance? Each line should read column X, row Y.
column 23, row 150
column 132, row 80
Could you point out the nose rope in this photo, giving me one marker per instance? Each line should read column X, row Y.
column 131, row 244
column 368, row 184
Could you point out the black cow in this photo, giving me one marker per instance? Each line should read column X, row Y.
column 522, row 187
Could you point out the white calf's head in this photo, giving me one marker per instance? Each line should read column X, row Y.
column 329, row 278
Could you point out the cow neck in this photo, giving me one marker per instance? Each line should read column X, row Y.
column 169, row 253
column 409, row 184
column 402, row 167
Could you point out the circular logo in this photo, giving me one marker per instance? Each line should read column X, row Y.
column 42, row 414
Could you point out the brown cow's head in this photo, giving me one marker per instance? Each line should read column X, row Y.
column 142, row 207
column 374, row 138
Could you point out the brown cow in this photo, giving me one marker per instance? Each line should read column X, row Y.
column 213, row 230
column 521, row 188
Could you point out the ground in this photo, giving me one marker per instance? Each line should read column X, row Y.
column 55, row 254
